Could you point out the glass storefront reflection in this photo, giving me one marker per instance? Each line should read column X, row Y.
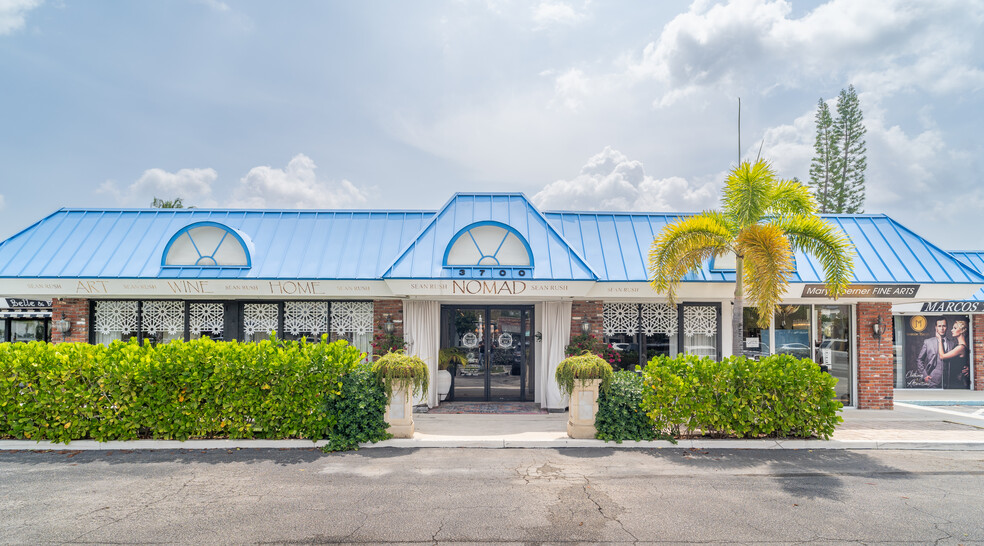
column 834, row 346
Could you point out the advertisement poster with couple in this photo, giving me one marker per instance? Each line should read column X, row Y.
column 937, row 351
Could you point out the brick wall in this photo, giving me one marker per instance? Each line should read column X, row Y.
column 590, row 312
column 978, row 327
column 387, row 309
column 74, row 311
column 875, row 360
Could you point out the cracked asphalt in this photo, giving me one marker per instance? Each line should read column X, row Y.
column 504, row 495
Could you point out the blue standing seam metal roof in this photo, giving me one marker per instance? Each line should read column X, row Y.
column 974, row 259
column 368, row 245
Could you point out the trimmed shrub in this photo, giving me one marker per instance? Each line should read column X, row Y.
column 777, row 396
column 361, row 411
column 178, row 390
column 620, row 415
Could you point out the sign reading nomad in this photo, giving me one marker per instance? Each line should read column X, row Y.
column 864, row 291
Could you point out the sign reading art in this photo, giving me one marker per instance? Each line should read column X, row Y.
column 864, row 291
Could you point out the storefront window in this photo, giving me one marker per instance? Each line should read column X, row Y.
column 755, row 340
column 3, row 330
column 935, row 351
column 352, row 321
column 162, row 321
column 259, row 320
column 640, row 331
column 700, row 329
column 305, row 320
column 834, row 346
column 27, row 330
column 792, row 330
column 115, row 320
column 206, row 320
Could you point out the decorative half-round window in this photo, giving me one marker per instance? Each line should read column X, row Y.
column 488, row 244
column 206, row 244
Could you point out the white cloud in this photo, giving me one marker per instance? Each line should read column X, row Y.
column 755, row 45
column 549, row 13
column 13, row 14
column 296, row 186
column 193, row 186
column 611, row 181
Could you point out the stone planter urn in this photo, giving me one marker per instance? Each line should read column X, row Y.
column 583, row 409
column 399, row 412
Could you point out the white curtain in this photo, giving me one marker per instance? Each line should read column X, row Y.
column 421, row 330
column 556, row 336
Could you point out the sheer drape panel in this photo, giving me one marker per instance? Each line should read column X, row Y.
column 421, row 326
column 556, row 336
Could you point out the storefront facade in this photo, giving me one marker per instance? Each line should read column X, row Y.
column 959, row 325
column 507, row 284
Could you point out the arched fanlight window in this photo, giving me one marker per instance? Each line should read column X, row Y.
column 206, row 244
column 488, row 244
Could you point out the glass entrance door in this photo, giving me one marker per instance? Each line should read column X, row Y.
column 495, row 344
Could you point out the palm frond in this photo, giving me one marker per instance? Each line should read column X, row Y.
column 747, row 191
column 767, row 263
column 684, row 246
column 790, row 198
column 830, row 246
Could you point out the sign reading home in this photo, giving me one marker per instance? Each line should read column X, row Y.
column 864, row 291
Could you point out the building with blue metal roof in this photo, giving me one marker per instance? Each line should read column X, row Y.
column 488, row 273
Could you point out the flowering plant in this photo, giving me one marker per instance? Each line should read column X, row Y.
column 584, row 342
column 387, row 343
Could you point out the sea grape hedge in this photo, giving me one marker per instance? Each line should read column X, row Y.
column 182, row 390
column 777, row 396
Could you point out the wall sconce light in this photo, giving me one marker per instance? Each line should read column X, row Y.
column 63, row 326
column 586, row 328
column 388, row 326
column 876, row 328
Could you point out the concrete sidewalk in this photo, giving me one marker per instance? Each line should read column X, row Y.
column 906, row 427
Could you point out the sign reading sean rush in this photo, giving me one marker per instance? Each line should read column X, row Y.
column 864, row 291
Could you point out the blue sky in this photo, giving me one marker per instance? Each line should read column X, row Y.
column 579, row 104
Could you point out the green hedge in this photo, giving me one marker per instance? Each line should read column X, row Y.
column 178, row 390
column 361, row 411
column 777, row 396
column 620, row 415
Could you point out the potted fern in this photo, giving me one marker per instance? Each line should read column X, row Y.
column 581, row 377
column 403, row 377
column 448, row 360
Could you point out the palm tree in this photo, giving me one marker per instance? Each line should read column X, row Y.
column 763, row 221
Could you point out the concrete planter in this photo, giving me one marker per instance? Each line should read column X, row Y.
column 583, row 409
column 399, row 412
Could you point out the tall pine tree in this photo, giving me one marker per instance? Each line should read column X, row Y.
column 851, row 160
column 839, row 161
column 822, row 167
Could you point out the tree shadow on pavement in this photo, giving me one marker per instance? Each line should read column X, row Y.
column 808, row 474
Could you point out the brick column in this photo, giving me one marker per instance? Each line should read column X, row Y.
column 978, row 327
column 391, row 309
column 74, row 311
column 590, row 312
column 875, row 360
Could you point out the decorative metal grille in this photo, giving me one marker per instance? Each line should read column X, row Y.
column 206, row 317
column 163, row 316
column 259, row 317
column 659, row 318
column 351, row 317
column 306, row 317
column 116, row 316
column 699, row 320
column 620, row 318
